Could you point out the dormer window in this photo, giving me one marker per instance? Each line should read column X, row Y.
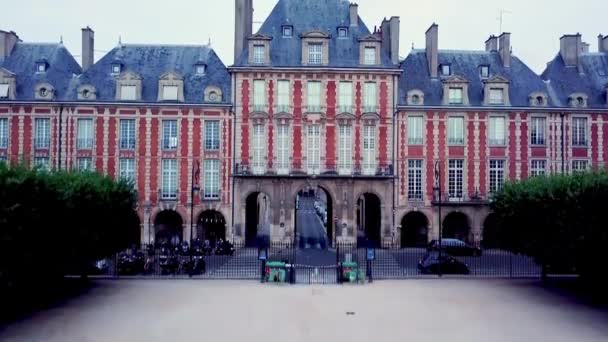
column 578, row 100
column 287, row 31
column 370, row 56
column 259, row 54
column 116, row 68
column 170, row 93
column 342, row 32
column 446, row 70
column 171, row 87
column 41, row 67
column 200, row 69
column 497, row 96
column 128, row 93
column 44, row 91
column 484, row 71
column 455, row 96
column 315, row 53
column 4, row 91
column 86, row 92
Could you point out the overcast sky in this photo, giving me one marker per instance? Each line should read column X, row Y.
column 536, row 25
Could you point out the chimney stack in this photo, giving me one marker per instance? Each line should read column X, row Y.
column 505, row 49
column 390, row 38
column 492, row 44
column 585, row 47
column 354, row 15
column 571, row 47
column 243, row 22
column 7, row 42
column 88, row 48
column 602, row 43
column 432, row 50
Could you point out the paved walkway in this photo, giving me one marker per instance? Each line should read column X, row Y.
column 414, row 310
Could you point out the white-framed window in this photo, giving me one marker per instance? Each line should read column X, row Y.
column 85, row 134
column 168, row 189
column 497, row 175
column 201, row 69
column 127, row 134
column 212, row 135
column 259, row 98
column 259, row 163
column 315, row 53
column 455, row 174
column 369, row 57
column 41, row 66
column 496, row 131
column 282, row 149
column 537, row 130
column 345, row 150
column 369, row 150
column 455, row 96
column 579, row 131
column 414, row 179
column 370, row 97
column 580, row 165
column 484, row 71
column 3, row 132
column 42, row 163
column 169, row 135
column 283, row 96
column 415, row 130
column 456, row 130
column 446, row 70
column 42, row 131
column 497, row 96
column 259, row 54
column 313, row 146
column 212, row 179
column 345, row 97
column 342, row 32
column 4, row 90
column 170, row 93
column 116, row 68
column 538, row 167
column 128, row 92
column 84, row 164
column 314, row 96
column 127, row 169
column 287, row 31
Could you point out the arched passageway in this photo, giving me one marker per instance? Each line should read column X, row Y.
column 369, row 221
column 257, row 226
column 313, row 218
column 414, row 230
column 168, row 227
column 456, row 226
column 211, row 226
column 491, row 237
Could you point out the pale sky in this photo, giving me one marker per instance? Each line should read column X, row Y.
column 536, row 25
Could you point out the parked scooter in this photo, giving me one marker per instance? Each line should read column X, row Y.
column 168, row 261
column 224, row 247
column 130, row 262
column 195, row 264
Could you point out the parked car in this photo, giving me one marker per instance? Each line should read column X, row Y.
column 431, row 263
column 454, row 247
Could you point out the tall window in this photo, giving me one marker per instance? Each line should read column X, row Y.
column 42, row 163
column 84, row 164
column 345, row 97
column 127, row 134
column 170, row 134
column 456, row 130
column 414, row 130
column 128, row 93
column 212, row 179
column 315, row 54
column 259, row 54
column 455, row 96
column 314, row 96
column 169, row 179
column 370, row 56
column 369, row 150
column 313, row 145
column 127, row 169
column 344, row 149
column 282, row 149
column 170, row 93
column 497, row 175
column 85, row 134
column 370, row 98
column 579, row 166
column 497, row 96
column 283, row 96
column 212, row 135
column 259, row 166
column 3, row 133
column 455, row 172
column 259, row 100
column 42, row 132
column 537, row 131
column 497, row 131
column 538, row 168
column 414, row 179
column 4, row 90
column 579, row 131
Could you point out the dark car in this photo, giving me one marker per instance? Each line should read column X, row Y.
column 454, row 247
column 431, row 263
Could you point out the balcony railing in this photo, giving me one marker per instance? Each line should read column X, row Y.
column 462, row 197
column 314, row 109
column 84, row 143
column 283, row 109
column 42, row 143
column 414, row 140
column 211, row 195
column 345, row 109
column 261, row 108
column 127, row 144
column 456, row 141
column 497, row 142
column 168, row 194
column 169, row 144
column 315, row 169
column 370, row 109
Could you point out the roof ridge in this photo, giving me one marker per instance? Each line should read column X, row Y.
column 165, row 45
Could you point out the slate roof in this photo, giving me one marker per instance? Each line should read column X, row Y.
column 313, row 15
column 564, row 81
column 62, row 67
column 522, row 80
column 150, row 62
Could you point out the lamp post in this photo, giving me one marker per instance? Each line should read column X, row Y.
column 196, row 171
column 437, row 193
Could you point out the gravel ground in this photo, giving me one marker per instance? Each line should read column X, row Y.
column 414, row 310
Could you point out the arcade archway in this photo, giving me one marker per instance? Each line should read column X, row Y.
column 211, row 225
column 456, row 226
column 168, row 227
column 414, row 230
column 313, row 218
column 369, row 220
column 257, row 226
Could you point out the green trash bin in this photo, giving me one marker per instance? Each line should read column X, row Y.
column 275, row 272
column 350, row 272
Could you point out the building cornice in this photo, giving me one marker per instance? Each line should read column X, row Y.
column 319, row 69
column 118, row 104
column 403, row 108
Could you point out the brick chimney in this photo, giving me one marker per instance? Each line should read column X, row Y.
column 7, row 42
column 390, row 38
column 88, row 48
column 492, row 44
column 504, row 48
column 432, row 50
column 243, row 25
column 354, row 15
column 571, row 47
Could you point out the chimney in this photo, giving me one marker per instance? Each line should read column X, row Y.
column 354, row 15
column 432, row 49
column 585, row 47
column 243, row 22
column 394, row 36
column 88, row 48
column 602, row 43
column 571, row 47
column 505, row 49
column 7, row 42
column 492, row 44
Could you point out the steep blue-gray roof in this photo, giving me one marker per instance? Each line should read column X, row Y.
column 522, row 80
column 150, row 62
column 565, row 81
column 62, row 67
column 313, row 15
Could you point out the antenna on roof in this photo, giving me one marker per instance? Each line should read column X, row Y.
column 60, row 39
column 500, row 18
column 209, row 43
column 119, row 40
column 412, row 45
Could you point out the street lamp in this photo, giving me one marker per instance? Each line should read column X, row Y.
column 437, row 195
column 196, row 171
